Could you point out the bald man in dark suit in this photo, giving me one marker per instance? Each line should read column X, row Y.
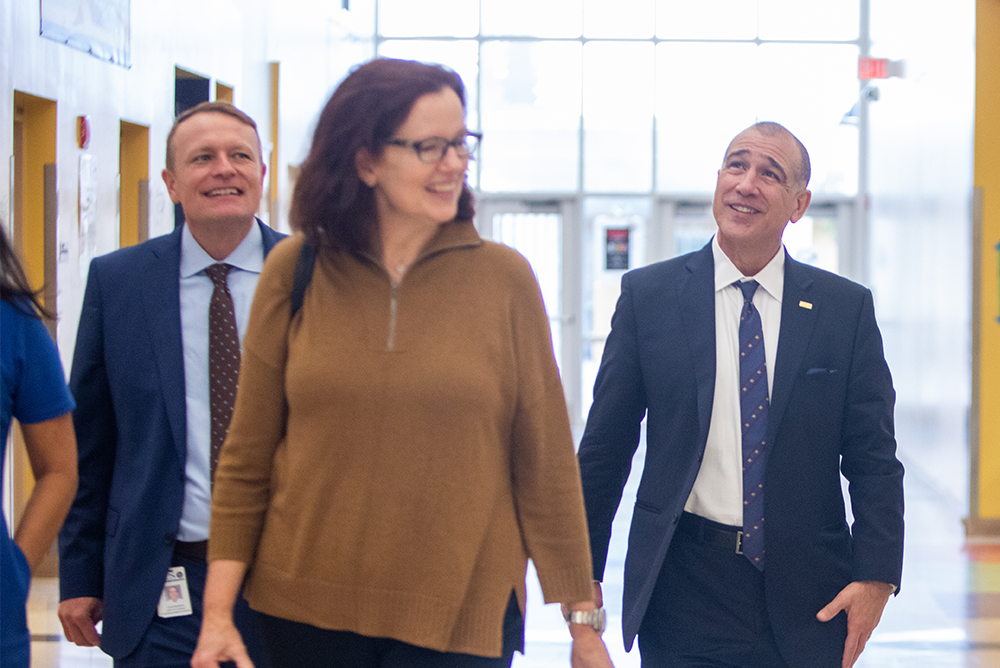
column 740, row 553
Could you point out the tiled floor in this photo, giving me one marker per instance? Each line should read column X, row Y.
column 947, row 614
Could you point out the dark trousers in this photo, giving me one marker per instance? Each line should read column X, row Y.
column 707, row 610
column 296, row 645
column 170, row 642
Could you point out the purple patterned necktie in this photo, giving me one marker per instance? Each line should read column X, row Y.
column 753, row 422
column 223, row 358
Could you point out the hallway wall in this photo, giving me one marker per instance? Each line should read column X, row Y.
column 985, row 508
column 163, row 35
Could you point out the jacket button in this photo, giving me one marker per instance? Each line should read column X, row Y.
column 168, row 539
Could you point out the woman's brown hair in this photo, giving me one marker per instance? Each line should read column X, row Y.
column 330, row 205
column 14, row 286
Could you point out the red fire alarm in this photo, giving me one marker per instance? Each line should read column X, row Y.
column 82, row 131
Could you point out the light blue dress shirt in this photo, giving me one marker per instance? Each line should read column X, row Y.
column 196, row 293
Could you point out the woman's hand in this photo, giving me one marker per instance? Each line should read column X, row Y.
column 588, row 650
column 219, row 639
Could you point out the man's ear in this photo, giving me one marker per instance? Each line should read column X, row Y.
column 802, row 203
column 168, row 178
column 365, row 163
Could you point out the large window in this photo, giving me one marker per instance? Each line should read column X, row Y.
column 638, row 96
column 531, row 114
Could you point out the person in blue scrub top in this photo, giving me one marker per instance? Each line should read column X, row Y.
column 33, row 390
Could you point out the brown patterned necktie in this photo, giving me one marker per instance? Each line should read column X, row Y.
column 223, row 358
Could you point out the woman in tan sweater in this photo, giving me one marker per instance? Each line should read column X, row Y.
column 400, row 445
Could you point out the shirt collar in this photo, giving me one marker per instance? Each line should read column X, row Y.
column 248, row 256
column 771, row 277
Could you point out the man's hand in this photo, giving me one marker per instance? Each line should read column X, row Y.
column 79, row 617
column 863, row 602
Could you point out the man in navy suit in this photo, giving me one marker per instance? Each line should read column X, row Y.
column 140, row 377
column 698, row 589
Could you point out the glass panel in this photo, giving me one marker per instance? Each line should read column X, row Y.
column 813, row 87
column 617, row 116
column 601, row 284
column 700, row 108
column 619, row 19
column 460, row 55
column 406, row 18
column 530, row 18
column 531, row 116
column 538, row 237
column 693, row 132
column 693, row 227
column 706, row 19
column 815, row 20
column 813, row 239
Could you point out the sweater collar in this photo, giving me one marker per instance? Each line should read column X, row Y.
column 453, row 235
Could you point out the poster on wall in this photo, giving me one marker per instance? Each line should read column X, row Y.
column 616, row 248
column 98, row 27
column 87, row 211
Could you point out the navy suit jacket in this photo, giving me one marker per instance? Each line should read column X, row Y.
column 831, row 411
column 130, row 419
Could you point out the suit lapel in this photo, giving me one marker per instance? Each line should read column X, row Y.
column 696, row 294
column 162, row 308
column 798, row 317
column 270, row 237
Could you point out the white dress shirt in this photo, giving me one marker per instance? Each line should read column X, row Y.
column 196, row 294
column 718, row 490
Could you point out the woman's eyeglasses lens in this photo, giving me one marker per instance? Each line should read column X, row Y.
column 435, row 148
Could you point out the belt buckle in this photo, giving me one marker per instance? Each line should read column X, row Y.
column 739, row 542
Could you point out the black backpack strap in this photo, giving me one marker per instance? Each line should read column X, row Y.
column 303, row 275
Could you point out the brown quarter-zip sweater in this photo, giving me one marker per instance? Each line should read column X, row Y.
column 398, row 451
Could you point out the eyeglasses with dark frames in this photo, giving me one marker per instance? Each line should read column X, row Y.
column 433, row 149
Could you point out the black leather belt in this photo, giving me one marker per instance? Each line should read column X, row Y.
column 711, row 533
column 197, row 551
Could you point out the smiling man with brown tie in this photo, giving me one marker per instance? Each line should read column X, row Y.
column 154, row 373
column 762, row 380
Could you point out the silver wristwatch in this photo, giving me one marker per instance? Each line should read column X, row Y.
column 595, row 618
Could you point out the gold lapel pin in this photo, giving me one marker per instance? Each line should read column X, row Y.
column 806, row 305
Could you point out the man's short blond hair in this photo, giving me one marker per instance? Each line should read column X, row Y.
column 210, row 108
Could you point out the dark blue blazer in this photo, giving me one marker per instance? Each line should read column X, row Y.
column 130, row 419
column 831, row 411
